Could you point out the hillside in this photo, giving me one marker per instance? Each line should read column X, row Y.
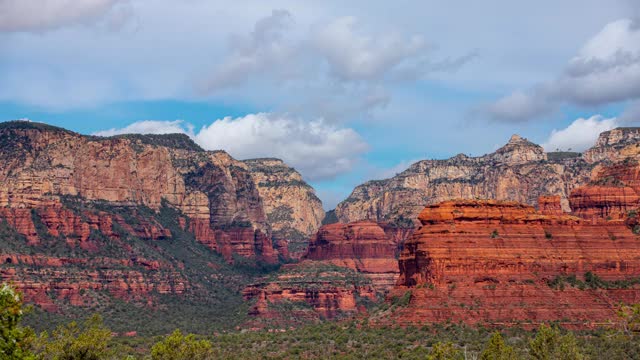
column 134, row 220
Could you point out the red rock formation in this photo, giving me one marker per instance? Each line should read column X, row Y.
column 611, row 194
column 309, row 289
column 491, row 261
column 550, row 205
column 362, row 246
column 20, row 220
column 75, row 280
column 42, row 164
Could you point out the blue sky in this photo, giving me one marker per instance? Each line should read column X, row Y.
column 343, row 92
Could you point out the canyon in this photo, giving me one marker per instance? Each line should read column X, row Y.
column 518, row 236
column 145, row 206
column 505, row 263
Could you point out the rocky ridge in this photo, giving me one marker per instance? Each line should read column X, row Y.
column 497, row 262
column 519, row 171
column 293, row 210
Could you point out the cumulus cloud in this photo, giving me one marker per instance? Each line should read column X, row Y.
column 605, row 70
column 316, row 149
column 352, row 55
column 264, row 47
column 580, row 134
column 520, row 106
column 150, row 127
column 44, row 15
column 326, row 63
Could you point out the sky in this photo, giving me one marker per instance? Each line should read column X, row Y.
column 345, row 92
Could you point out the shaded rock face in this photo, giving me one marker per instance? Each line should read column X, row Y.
column 292, row 208
column 494, row 262
column 519, row 171
column 309, row 290
column 363, row 246
column 615, row 145
column 43, row 165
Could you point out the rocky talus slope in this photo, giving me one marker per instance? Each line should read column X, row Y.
column 519, row 171
column 292, row 208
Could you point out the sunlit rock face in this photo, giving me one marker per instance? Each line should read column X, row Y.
column 519, row 171
column 292, row 208
column 498, row 262
column 229, row 203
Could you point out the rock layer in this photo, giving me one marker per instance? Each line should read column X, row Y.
column 519, row 171
column 362, row 246
column 612, row 194
column 293, row 210
column 493, row 262
column 309, row 290
column 43, row 165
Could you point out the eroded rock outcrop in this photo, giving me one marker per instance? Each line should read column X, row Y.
column 293, row 210
column 519, row 171
column 612, row 194
column 497, row 262
column 310, row 290
column 615, row 145
column 44, row 165
column 363, row 246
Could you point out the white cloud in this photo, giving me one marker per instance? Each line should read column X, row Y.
column 605, row 70
column 580, row 134
column 316, row 149
column 334, row 68
column 519, row 106
column 150, row 127
column 265, row 47
column 352, row 55
column 43, row 15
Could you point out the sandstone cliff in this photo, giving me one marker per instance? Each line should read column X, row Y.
column 363, row 246
column 612, row 194
column 519, row 171
column 501, row 262
column 309, row 291
column 227, row 207
column 152, row 220
column 293, row 210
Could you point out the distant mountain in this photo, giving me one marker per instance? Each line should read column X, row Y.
column 91, row 221
column 519, row 171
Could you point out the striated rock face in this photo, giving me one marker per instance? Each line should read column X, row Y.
column 615, row 145
column 363, row 246
column 519, row 171
column 309, row 290
column 60, row 256
column 43, row 165
column 497, row 262
column 292, row 208
column 611, row 194
column 49, row 281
